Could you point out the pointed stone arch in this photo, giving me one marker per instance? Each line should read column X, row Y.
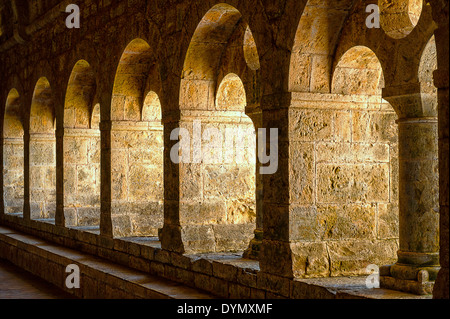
column 136, row 144
column 217, row 199
column 13, row 154
column 42, row 152
column 81, row 150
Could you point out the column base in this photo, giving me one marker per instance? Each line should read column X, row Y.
column 407, row 278
column 170, row 238
column 254, row 249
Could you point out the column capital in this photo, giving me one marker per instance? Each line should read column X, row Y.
column 407, row 103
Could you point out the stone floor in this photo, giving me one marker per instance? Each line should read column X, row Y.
column 15, row 283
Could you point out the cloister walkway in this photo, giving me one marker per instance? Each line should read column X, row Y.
column 16, row 283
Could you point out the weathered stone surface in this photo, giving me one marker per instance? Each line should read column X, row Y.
column 310, row 259
column 352, row 257
column 349, row 187
column 359, row 183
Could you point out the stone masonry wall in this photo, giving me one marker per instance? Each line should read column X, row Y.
column 344, row 175
column 137, row 179
column 82, row 177
column 13, row 158
column 42, row 176
column 13, row 175
column 217, row 208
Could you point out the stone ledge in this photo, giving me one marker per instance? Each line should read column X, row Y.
column 219, row 274
column 99, row 278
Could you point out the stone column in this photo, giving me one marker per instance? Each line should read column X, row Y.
column 170, row 234
column 418, row 256
column 441, row 290
column 59, row 214
column 186, row 228
column 254, row 249
column 26, row 176
column 105, row 178
column 440, row 10
column 276, row 255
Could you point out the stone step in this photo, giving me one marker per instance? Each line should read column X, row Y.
column 98, row 278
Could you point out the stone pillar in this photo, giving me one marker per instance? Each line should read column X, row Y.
column 170, row 234
column 254, row 249
column 418, row 256
column 441, row 290
column 440, row 10
column 26, row 176
column 105, row 177
column 276, row 255
column 59, row 214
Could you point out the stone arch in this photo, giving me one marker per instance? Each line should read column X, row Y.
column 398, row 18
column 204, row 54
column 13, row 120
column 80, row 95
column 240, row 57
column 42, row 75
column 358, row 195
column 393, row 54
column 42, row 152
column 81, row 150
column 217, row 203
column 428, row 91
column 13, row 154
column 231, row 94
column 137, row 144
column 42, row 112
column 358, row 71
column 314, row 45
column 151, row 109
column 258, row 38
column 251, row 51
column 130, row 81
column 222, row 43
column 95, row 117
